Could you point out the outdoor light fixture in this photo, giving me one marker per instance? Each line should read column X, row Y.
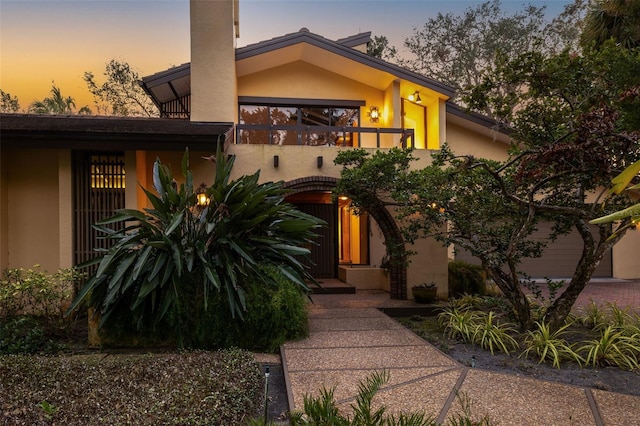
column 276, row 161
column 201, row 196
column 415, row 97
column 374, row 114
column 319, row 161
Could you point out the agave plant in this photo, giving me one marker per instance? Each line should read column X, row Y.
column 178, row 245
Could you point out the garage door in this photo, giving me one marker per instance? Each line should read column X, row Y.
column 559, row 259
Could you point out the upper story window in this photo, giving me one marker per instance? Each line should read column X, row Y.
column 297, row 121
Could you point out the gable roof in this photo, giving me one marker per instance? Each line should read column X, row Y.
column 175, row 82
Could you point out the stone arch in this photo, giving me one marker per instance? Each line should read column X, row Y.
column 386, row 222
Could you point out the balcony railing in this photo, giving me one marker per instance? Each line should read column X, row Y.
column 362, row 137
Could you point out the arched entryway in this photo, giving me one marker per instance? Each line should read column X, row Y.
column 388, row 226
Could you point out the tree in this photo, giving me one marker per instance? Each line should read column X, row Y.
column 170, row 262
column 612, row 19
column 8, row 103
column 121, row 91
column 379, row 47
column 575, row 124
column 57, row 104
column 457, row 49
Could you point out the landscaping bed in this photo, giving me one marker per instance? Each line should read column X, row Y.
column 198, row 387
column 607, row 378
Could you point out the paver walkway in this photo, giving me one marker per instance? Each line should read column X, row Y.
column 350, row 338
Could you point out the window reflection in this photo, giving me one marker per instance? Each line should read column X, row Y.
column 297, row 125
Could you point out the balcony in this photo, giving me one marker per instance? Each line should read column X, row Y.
column 359, row 137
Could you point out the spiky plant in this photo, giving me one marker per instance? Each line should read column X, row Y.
column 491, row 334
column 550, row 346
column 174, row 256
column 614, row 347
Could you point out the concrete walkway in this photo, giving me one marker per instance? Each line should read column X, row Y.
column 350, row 338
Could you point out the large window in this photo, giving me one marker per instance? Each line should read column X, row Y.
column 298, row 122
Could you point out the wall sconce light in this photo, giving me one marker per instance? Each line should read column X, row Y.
column 276, row 161
column 201, row 196
column 319, row 161
column 374, row 114
column 415, row 97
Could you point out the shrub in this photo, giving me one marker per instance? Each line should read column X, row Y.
column 275, row 312
column 465, row 278
column 36, row 292
column 181, row 263
column 24, row 335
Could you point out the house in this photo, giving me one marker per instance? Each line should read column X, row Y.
column 285, row 106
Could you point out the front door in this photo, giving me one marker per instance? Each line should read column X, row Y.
column 324, row 255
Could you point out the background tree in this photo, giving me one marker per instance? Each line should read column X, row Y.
column 8, row 103
column 120, row 94
column 57, row 104
column 457, row 49
column 612, row 19
column 379, row 48
column 575, row 127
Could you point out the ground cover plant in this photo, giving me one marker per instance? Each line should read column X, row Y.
column 182, row 388
column 598, row 347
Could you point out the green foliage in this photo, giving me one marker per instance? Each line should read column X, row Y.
column 178, row 258
column 276, row 312
column 614, row 347
column 24, row 335
column 612, row 19
column 458, row 323
column 592, row 316
column 32, row 305
column 36, row 292
column 455, row 49
column 550, row 345
column 324, row 411
column 465, row 278
column 490, row 334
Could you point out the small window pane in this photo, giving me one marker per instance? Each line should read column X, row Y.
column 254, row 114
column 254, row 136
column 284, row 116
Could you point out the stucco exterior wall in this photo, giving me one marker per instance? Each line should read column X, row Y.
column 213, row 25
column 625, row 256
column 465, row 141
column 33, row 221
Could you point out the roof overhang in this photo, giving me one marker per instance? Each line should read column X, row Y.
column 29, row 131
column 335, row 56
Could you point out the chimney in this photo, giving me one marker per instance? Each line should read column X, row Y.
column 214, row 29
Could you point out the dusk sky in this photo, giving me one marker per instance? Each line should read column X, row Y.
column 52, row 40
